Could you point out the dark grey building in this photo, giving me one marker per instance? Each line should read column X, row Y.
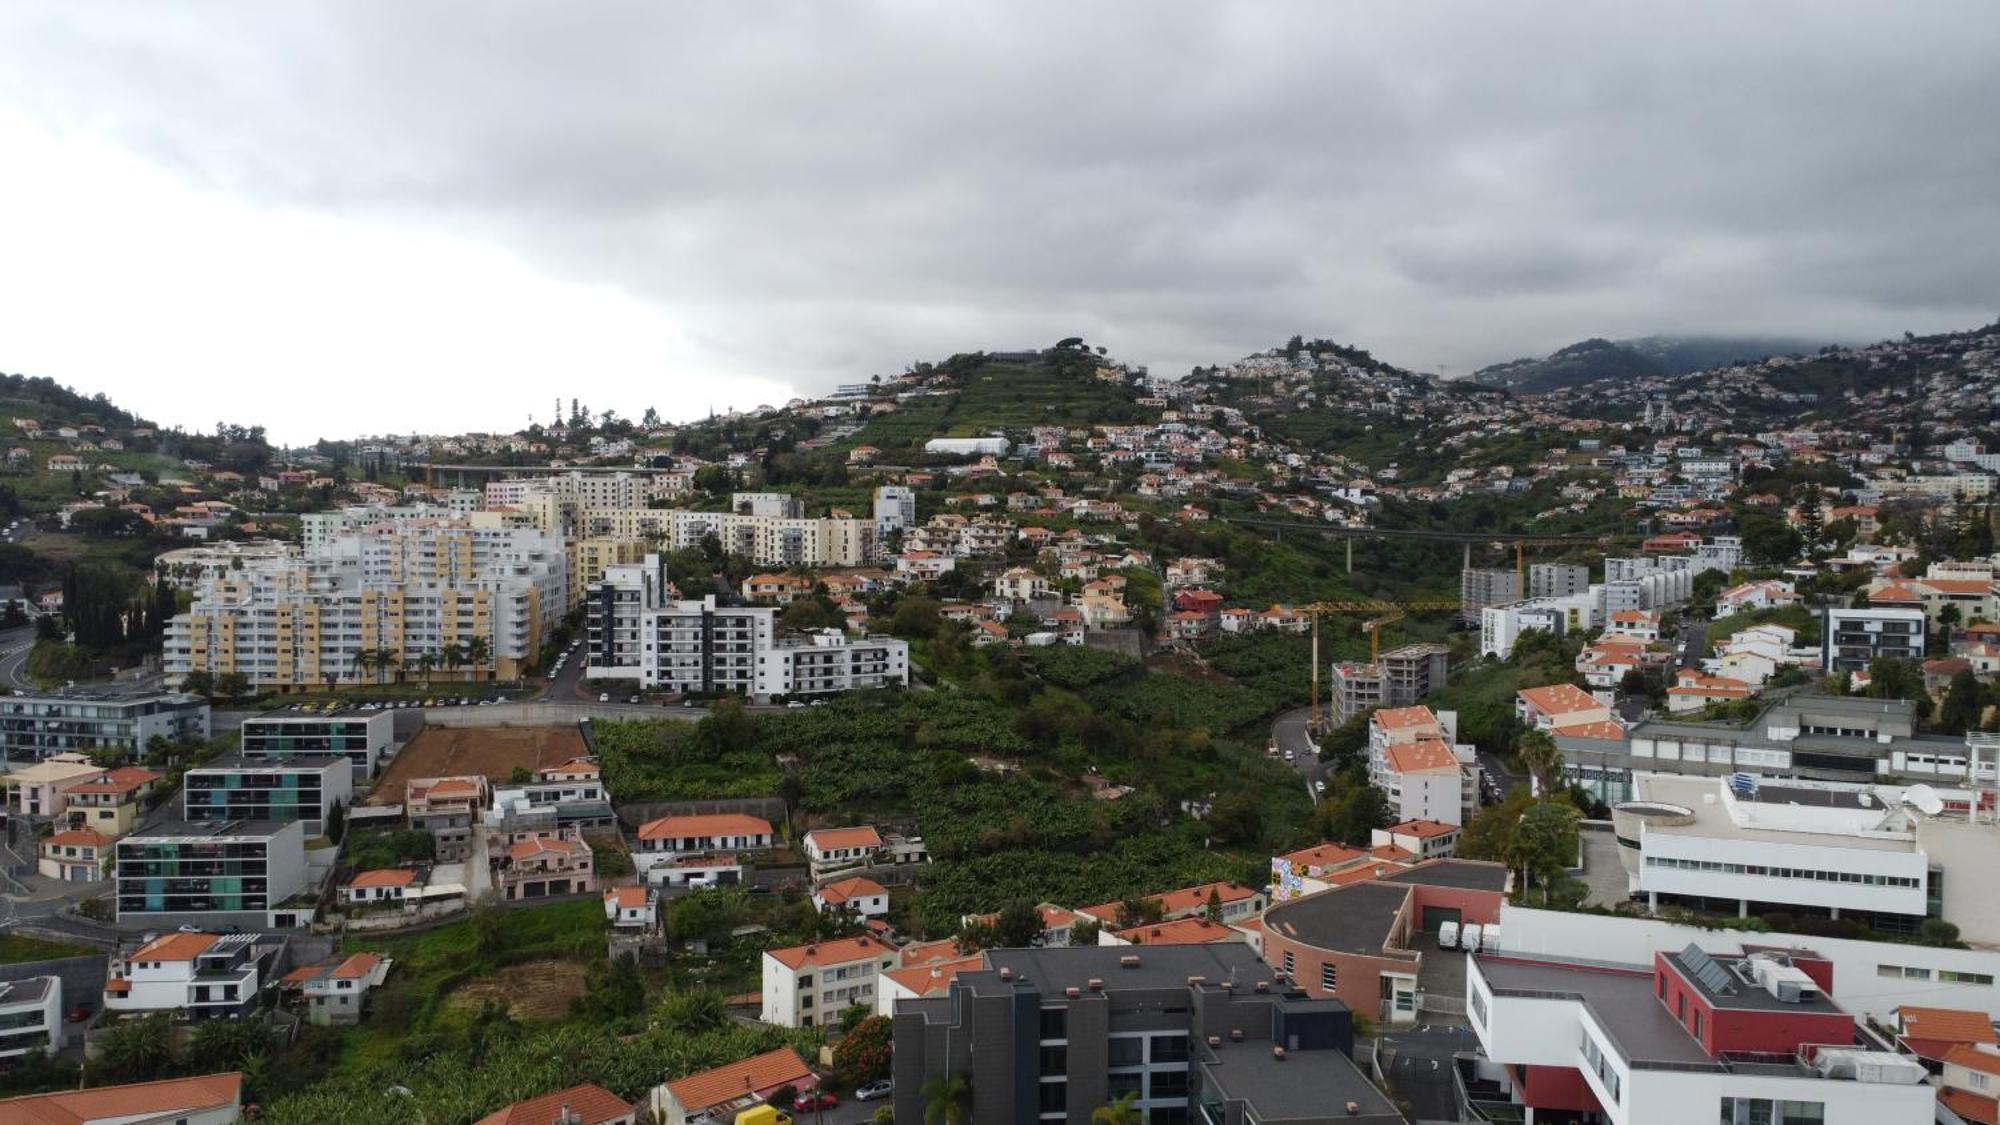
column 1199, row 1033
column 1557, row 580
column 1479, row 587
column 304, row 788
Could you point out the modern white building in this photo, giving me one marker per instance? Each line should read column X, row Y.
column 895, row 509
column 35, row 725
column 199, row 975
column 1746, row 1040
column 969, row 447
column 1851, row 638
column 248, row 874
column 364, row 738
column 306, row 788
column 30, row 1016
column 636, row 633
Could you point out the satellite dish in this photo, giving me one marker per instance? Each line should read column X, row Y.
column 1924, row 799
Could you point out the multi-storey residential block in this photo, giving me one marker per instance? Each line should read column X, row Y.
column 199, row 975
column 1401, row 678
column 1191, row 1032
column 1852, row 638
column 364, row 738
column 1557, row 580
column 1480, row 587
column 305, row 788
column 35, row 726
column 30, row 1017
column 442, row 595
column 895, row 509
column 781, row 541
column 636, row 633
column 227, row 873
column 1751, row 1038
column 810, row 985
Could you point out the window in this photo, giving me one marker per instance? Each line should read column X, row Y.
column 1289, row 963
column 1329, row 976
column 1169, row 1049
column 1126, row 1050
column 1055, row 1022
column 1771, row 1111
column 1055, row 1060
column 1054, row 1097
column 1169, row 1084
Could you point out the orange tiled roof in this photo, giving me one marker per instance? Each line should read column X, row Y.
column 929, row 952
column 359, row 965
column 1423, row 829
column 863, row 837
column 706, row 824
column 169, row 1097
column 1972, row 1058
column 593, row 1105
column 1556, row 700
column 1402, row 718
column 1324, row 855
column 1184, row 931
column 1421, row 756
column 1970, row 1106
column 831, row 952
column 758, row 1073
column 528, row 849
column 175, row 947
column 1602, row 729
column 626, row 898
column 384, row 877
column 124, row 779
column 856, row 887
column 930, row 979
column 79, row 838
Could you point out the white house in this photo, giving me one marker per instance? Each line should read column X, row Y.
column 831, row 850
column 203, row 976
column 810, row 985
column 631, row 908
column 864, row 898
column 1768, row 594
column 335, row 992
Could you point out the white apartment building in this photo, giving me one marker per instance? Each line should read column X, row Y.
column 30, row 1016
column 427, row 592
column 1851, row 638
column 701, row 646
column 895, row 509
column 779, row 541
column 810, row 985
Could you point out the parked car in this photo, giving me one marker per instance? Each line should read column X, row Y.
column 1448, row 936
column 1468, row 937
column 814, row 1099
column 80, row 1013
column 872, row 1090
column 604, row 697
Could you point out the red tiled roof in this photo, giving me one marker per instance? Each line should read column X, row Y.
column 706, row 824
column 1423, row 829
column 1971, row 1107
column 175, row 947
column 124, row 779
column 930, row 979
column 626, row 898
column 384, row 877
column 594, row 1105
column 1183, row 931
column 167, row 1098
column 79, row 838
column 831, row 952
column 856, row 887
column 756, row 1074
column 863, row 837
column 1401, row 718
column 1557, row 700
column 1422, row 756
column 529, row 849
column 1972, row 1058
column 1324, row 856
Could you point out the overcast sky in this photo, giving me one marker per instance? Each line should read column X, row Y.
column 357, row 217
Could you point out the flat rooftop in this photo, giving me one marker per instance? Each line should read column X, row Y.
column 1160, row 966
column 236, row 761
column 1712, row 820
column 209, row 830
column 1747, row 995
column 1466, row 874
column 1303, row 1086
column 1621, row 1000
column 1357, row 918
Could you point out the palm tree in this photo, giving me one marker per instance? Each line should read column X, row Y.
column 1543, row 758
column 1119, row 1112
column 385, row 660
column 478, row 650
column 453, row 655
column 422, row 663
column 945, row 1100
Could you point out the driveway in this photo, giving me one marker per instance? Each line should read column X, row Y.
column 1418, row 1064
column 1602, row 872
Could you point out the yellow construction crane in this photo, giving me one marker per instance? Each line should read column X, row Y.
column 1386, row 613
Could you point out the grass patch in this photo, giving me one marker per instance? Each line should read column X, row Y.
column 16, row 948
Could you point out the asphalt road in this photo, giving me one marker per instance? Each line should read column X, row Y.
column 1290, row 731
column 1693, row 643
column 14, row 646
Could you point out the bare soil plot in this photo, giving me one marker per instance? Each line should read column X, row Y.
column 493, row 752
column 532, row 990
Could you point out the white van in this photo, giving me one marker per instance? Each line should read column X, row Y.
column 1489, row 939
column 1468, row 937
column 1448, row 936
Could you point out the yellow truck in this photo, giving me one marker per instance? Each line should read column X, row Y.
column 763, row 1115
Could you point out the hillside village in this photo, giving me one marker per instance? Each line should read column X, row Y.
column 1301, row 739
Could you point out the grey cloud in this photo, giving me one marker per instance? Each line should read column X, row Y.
column 819, row 190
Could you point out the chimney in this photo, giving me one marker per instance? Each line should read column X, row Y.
column 1196, row 982
column 1006, row 973
column 568, row 1116
column 1129, row 961
column 1097, row 984
column 1236, row 1035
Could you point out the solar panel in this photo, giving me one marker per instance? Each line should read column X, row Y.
column 1704, row 969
